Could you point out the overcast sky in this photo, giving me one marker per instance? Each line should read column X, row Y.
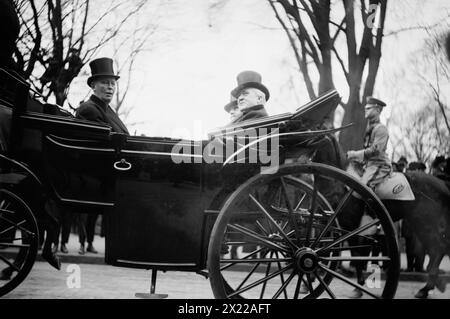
column 183, row 82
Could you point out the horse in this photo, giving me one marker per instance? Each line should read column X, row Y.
column 428, row 213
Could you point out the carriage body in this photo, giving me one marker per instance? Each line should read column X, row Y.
column 160, row 211
column 160, row 197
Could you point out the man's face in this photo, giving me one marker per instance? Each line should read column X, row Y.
column 249, row 97
column 372, row 111
column 104, row 88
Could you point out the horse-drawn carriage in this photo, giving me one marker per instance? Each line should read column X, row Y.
column 231, row 208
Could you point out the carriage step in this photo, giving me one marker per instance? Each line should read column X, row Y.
column 152, row 294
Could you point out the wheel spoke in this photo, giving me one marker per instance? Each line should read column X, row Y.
column 12, row 227
column 248, row 276
column 269, row 218
column 309, row 281
column 300, row 202
column 246, row 257
column 312, row 212
column 350, row 234
column 348, row 281
column 283, row 286
column 263, row 241
column 10, row 264
column 263, row 288
column 349, row 247
column 297, row 287
column 260, row 281
column 281, row 275
column 17, row 225
column 358, row 258
column 290, row 210
column 262, row 228
column 322, row 282
column 333, row 218
column 256, row 260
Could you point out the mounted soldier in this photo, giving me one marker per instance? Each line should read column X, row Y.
column 377, row 163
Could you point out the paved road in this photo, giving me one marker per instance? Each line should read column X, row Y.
column 107, row 282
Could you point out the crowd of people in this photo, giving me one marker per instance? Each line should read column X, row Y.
column 415, row 252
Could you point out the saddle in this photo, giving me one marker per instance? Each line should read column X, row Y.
column 393, row 187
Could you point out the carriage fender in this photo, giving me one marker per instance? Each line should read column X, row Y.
column 14, row 175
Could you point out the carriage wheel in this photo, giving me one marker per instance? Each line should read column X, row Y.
column 18, row 241
column 291, row 220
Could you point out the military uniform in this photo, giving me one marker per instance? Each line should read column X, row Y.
column 377, row 163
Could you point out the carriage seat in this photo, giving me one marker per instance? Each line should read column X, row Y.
column 394, row 187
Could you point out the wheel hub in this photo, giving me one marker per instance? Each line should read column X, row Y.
column 306, row 260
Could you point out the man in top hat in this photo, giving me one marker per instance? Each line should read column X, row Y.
column 233, row 109
column 377, row 163
column 103, row 85
column 251, row 96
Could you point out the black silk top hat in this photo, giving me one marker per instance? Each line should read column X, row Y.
column 372, row 100
column 250, row 79
column 102, row 67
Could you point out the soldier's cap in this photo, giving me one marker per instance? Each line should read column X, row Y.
column 250, row 79
column 372, row 100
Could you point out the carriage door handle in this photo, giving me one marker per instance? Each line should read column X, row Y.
column 122, row 165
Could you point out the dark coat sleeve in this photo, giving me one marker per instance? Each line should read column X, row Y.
column 89, row 112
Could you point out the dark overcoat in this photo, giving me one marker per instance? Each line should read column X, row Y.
column 253, row 112
column 96, row 110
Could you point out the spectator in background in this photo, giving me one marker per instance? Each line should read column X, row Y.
column 417, row 166
column 66, row 224
column 439, row 167
column 402, row 163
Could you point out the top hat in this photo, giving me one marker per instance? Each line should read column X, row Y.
column 249, row 79
column 102, row 67
column 372, row 100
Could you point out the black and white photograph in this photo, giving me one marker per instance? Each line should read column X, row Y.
column 224, row 149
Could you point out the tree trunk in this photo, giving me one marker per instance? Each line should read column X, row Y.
column 352, row 138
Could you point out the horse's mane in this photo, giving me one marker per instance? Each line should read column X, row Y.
column 330, row 152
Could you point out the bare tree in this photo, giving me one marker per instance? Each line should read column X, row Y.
column 314, row 36
column 425, row 135
column 58, row 37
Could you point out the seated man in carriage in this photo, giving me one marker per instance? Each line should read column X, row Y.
column 248, row 99
column 97, row 109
